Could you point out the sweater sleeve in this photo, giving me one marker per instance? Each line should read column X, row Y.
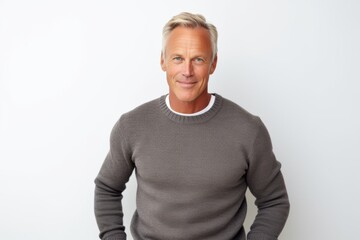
column 266, row 183
column 109, row 185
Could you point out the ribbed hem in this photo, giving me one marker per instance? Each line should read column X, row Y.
column 191, row 119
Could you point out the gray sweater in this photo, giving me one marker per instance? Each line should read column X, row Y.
column 192, row 175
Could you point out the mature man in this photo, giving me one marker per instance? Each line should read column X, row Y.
column 194, row 153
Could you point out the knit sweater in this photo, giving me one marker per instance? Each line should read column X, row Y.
column 192, row 174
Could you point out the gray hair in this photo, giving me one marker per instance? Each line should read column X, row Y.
column 190, row 20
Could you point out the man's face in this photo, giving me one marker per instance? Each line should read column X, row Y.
column 188, row 63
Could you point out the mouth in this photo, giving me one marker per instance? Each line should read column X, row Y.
column 186, row 84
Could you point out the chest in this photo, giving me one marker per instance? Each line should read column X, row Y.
column 193, row 157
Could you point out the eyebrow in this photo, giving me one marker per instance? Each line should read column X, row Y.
column 195, row 56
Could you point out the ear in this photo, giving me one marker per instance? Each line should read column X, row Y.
column 213, row 65
column 162, row 62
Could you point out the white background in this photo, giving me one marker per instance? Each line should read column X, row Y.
column 69, row 69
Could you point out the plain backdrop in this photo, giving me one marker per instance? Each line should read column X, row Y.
column 69, row 69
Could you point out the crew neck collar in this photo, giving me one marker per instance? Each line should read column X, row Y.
column 207, row 108
column 191, row 119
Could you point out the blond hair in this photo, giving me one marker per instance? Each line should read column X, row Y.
column 190, row 20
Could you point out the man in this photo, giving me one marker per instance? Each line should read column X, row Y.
column 194, row 153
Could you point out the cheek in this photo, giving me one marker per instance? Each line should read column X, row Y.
column 169, row 74
column 203, row 74
column 172, row 72
column 170, row 77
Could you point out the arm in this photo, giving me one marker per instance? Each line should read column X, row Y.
column 109, row 185
column 266, row 183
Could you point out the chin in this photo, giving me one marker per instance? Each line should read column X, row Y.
column 186, row 97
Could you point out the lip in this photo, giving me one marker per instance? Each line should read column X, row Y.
column 186, row 84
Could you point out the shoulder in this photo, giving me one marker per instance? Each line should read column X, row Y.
column 233, row 112
column 243, row 123
column 142, row 110
column 139, row 115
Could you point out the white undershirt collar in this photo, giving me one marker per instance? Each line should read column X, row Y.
column 211, row 103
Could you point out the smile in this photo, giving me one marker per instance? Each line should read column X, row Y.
column 186, row 84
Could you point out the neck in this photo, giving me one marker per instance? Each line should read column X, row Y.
column 188, row 107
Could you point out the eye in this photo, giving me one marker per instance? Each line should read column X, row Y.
column 177, row 59
column 199, row 60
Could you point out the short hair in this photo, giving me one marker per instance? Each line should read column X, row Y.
column 190, row 20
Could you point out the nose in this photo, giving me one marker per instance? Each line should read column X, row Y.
column 188, row 70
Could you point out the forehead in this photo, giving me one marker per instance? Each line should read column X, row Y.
column 186, row 39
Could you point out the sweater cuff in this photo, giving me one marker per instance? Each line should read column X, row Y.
column 260, row 236
column 116, row 237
